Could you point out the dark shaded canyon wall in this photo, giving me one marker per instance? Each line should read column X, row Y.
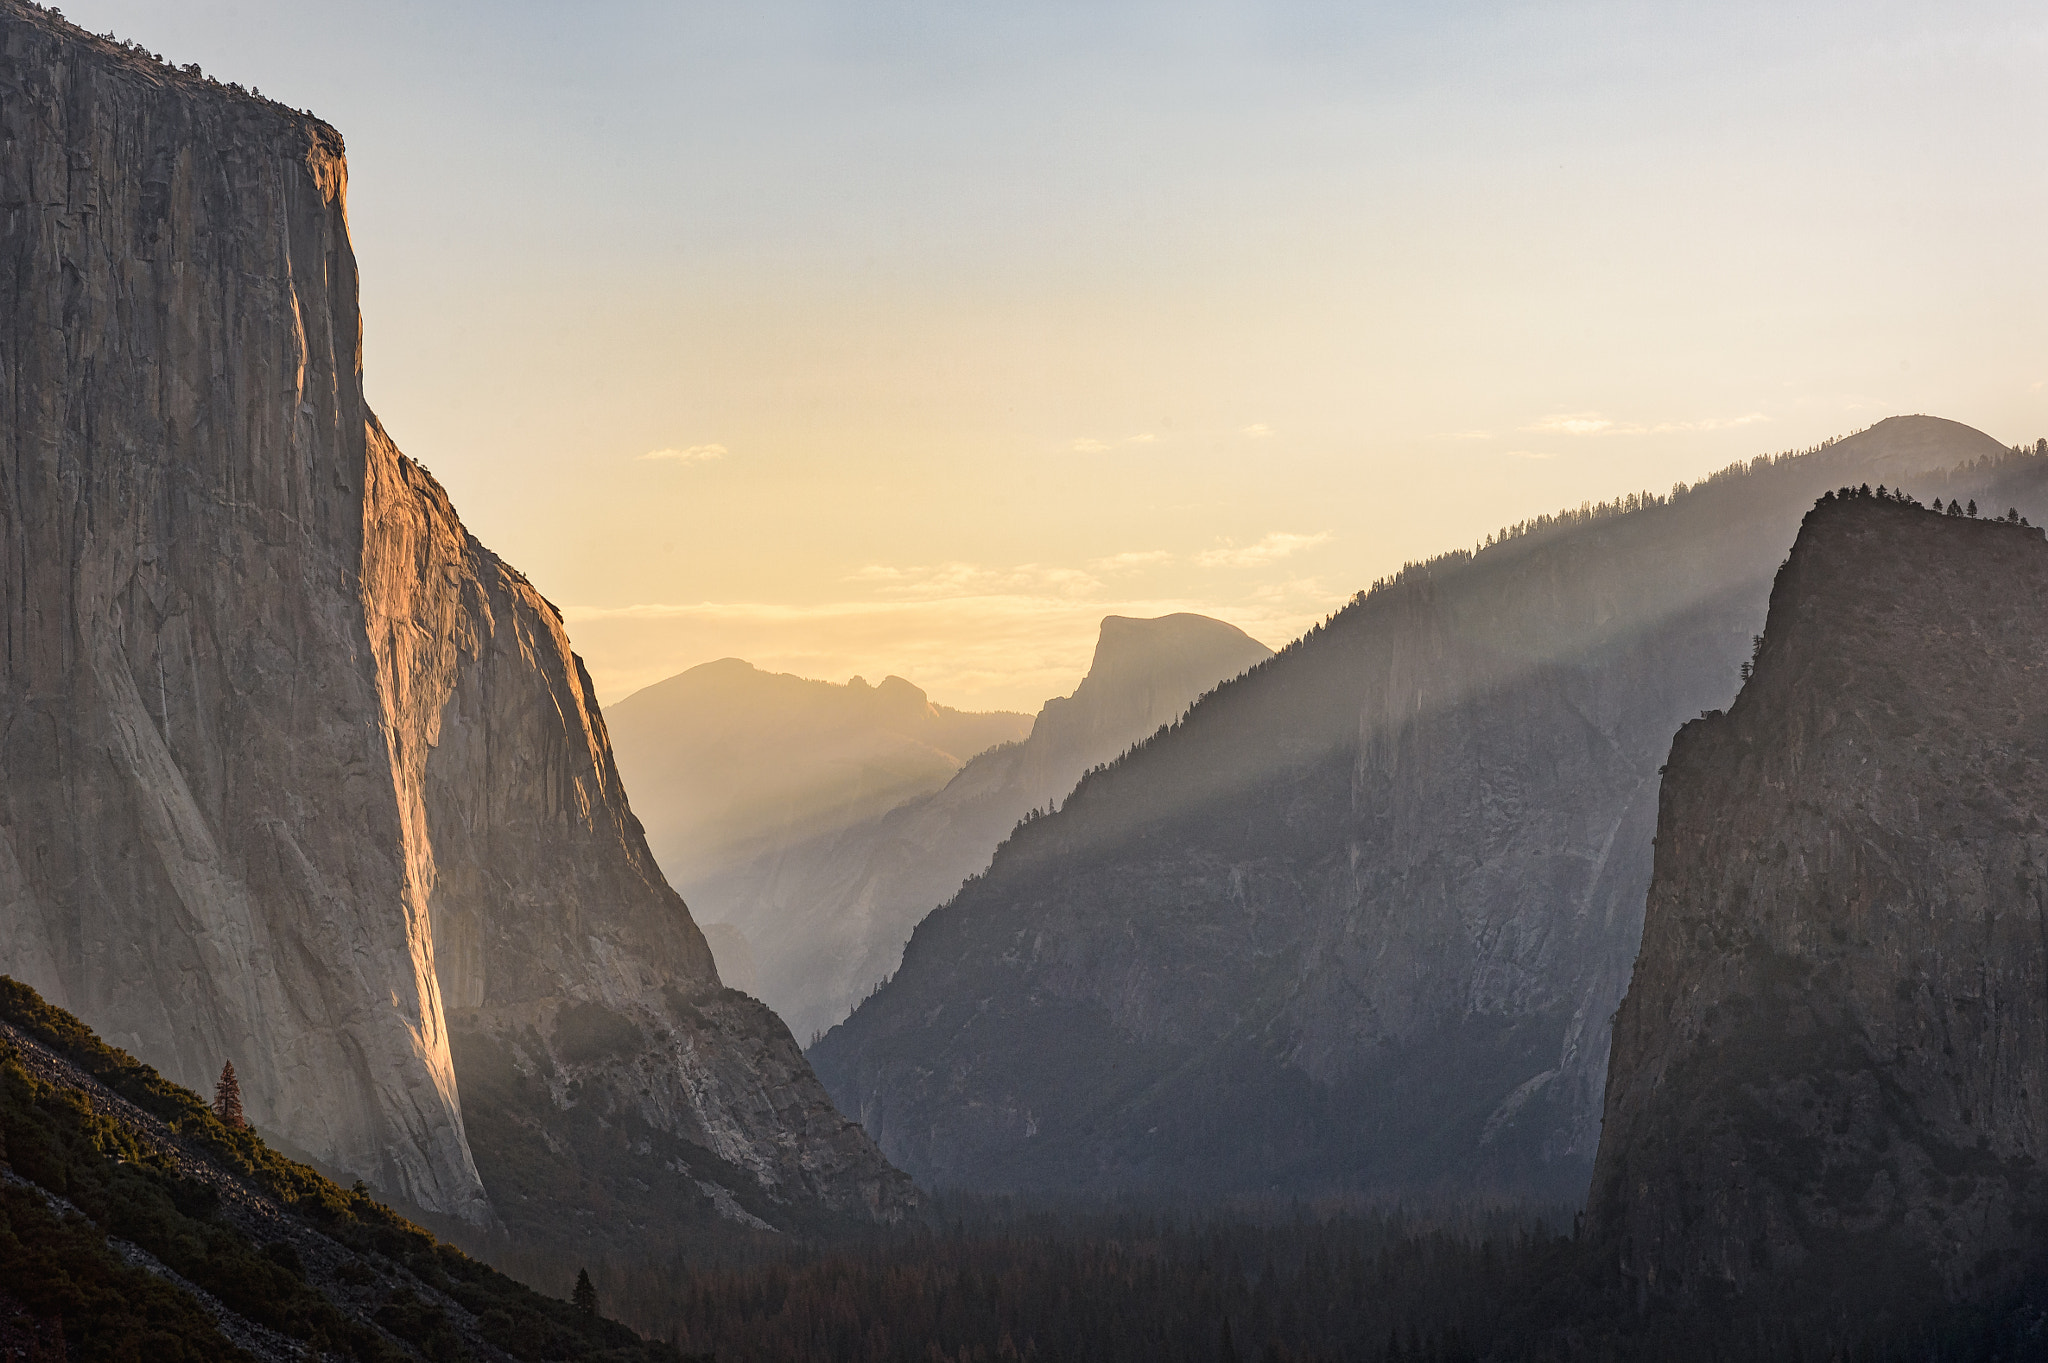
column 1832, row 1064
column 297, row 774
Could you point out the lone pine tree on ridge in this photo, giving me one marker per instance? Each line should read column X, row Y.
column 227, row 1098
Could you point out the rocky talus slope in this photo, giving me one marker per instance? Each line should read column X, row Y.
column 1359, row 922
column 298, row 774
column 1832, row 1064
column 827, row 915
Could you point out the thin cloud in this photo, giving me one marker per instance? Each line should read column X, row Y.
column 1593, row 423
column 694, row 454
column 1271, row 549
column 1257, row 431
column 1578, row 423
column 935, row 581
column 1714, row 423
column 1090, row 445
column 1464, row 435
column 1295, row 588
column 1532, row 454
column 1130, row 559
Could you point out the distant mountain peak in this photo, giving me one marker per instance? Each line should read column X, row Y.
column 1357, row 923
column 825, row 915
column 1125, row 643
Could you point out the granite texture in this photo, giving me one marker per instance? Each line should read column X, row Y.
column 1832, row 1064
column 297, row 773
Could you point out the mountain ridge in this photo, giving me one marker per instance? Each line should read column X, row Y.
column 1383, row 891
column 730, row 762
column 827, row 916
column 131, row 1217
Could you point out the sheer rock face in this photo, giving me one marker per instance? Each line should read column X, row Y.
column 1833, row 1057
column 1360, row 921
column 297, row 773
column 827, row 916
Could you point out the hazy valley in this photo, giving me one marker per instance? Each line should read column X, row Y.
column 825, row 883
column 1624, row 938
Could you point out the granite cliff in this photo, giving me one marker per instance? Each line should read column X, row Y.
column 827, row 915
column 298, row 774
column 1831, row 1068
column 1359, row 921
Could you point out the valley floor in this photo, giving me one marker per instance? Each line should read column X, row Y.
column 987, row 1281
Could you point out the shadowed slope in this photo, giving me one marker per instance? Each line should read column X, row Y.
column 1360, row 920
column 827, row 916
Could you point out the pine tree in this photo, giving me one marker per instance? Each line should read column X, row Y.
column 227, row 1098
column 1971, row 509
column 584, row 1298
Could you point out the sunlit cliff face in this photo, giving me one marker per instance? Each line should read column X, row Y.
column 906, row 338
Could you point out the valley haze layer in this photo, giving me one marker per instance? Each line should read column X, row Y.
column 826, row 901
column 1359, row 921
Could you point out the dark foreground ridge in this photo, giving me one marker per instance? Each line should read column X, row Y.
column 134, row 1225
column 1830, row 1074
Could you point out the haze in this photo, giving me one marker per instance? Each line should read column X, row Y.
column 963, row 326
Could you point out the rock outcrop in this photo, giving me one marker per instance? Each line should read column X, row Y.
column 297, row 773
column 1832, row 1064
column 827, row 916
column 1360, row 921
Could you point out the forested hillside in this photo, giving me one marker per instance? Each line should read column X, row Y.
column 135, row 1224
column 1358, row 921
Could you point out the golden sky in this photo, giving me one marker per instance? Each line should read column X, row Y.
column 915, row 337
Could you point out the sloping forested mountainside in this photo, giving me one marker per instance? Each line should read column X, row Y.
column 1360, row 920
column 1832, row 1065
column 827, row 916
column 298, row 774
column 729, row 764
column 135, row 1225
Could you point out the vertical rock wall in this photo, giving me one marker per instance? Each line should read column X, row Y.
column 1832, row 1063
column 296, row 772
column 203, row 853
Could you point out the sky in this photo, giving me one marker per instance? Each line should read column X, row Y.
column 915, row 336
